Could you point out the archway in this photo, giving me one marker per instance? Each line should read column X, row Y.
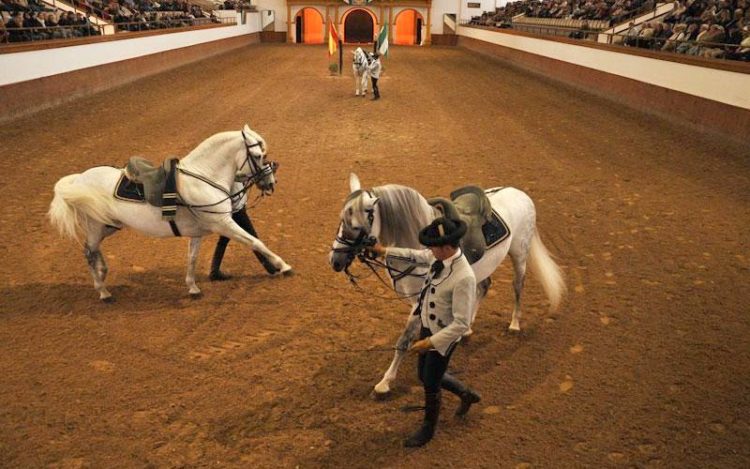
column 408, row 29
column 309, row 26
column 359, row 26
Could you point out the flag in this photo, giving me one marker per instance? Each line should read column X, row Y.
column 333, row 40
column 383, row 40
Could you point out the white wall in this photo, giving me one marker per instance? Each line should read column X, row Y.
column 279, row 7
column 439, row 8
column 23, row 66
column 717, row 85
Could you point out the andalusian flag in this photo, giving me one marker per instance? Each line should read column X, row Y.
column 383, row 40
column 333, row 40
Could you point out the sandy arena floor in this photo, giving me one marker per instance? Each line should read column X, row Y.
column 645, row 365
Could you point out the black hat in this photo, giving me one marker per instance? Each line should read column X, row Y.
column 442, row 231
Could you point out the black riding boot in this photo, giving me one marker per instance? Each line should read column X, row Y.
column 216, row 274
column 467, row 395
column 431, row 413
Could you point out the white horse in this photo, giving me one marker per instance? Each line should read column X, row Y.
column 393, row 215
column 84, row 204
column 359, row 68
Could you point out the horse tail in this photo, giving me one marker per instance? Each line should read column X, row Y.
column 74, row 203
column 547, row 271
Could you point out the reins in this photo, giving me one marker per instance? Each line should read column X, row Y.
column 257, row 173
column 371, row 262
column 229, row 196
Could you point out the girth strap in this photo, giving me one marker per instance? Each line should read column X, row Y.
column 175, row 230
column 169, row 197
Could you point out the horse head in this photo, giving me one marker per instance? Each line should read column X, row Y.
column 359, row 225
column 255, row 167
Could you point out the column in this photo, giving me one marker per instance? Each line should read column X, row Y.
column 390, row 25
column 428, row 36
column 289, row 23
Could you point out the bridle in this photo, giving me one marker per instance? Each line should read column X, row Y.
column 355, row 247
column 360, row 60
column 256, row 174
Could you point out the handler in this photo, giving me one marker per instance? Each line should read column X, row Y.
column 241, row 218
column 444, row 307
column 373, row 68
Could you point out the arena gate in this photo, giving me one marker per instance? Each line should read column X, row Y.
column 359, row 21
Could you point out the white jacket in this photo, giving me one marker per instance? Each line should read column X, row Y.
column 373, row 68
column 448, row 300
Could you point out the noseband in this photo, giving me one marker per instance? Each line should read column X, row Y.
column 361, row 239
column 257, row 173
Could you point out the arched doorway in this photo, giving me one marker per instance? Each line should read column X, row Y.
column 408, row 30
column 308, row 26
column 358, row 26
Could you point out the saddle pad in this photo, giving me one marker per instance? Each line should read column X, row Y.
column 129, row 191
column 495, row 230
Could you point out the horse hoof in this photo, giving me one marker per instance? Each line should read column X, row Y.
column 380, row 396
column 108, row 300
column 196, row 296
column 288, row 273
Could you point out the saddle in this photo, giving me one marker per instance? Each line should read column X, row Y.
column 156, row 185
column 485, row 228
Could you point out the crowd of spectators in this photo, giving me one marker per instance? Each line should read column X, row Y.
column 31, row 20
column 605, row 10
column 705, row 28
column 243, row 5
column 143, row 15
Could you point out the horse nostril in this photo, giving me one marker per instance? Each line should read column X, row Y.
column 337, row 266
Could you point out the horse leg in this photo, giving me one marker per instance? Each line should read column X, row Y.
column 95, row 233
column 193, row 249
column 482, row 289
column 519, row 275
column 364, row 84
column 101, row 264
column 233, row 231
column 402, row 345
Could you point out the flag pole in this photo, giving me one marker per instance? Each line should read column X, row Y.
column 341, row 55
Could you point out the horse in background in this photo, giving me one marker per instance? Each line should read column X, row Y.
column 86, row 205
column 360, row 61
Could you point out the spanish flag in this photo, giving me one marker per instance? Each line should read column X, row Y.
column 333, row 40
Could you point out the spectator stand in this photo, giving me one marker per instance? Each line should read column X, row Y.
column 704, row 28
column 659, row 11
column 36, row 20
column 43, row 20
column 94, row 16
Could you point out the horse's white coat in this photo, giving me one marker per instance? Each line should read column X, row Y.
column 359, row 69
column 523, row 244
column 85, row 203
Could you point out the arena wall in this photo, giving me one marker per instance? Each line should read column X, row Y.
column 38, row 79
column 711, row 96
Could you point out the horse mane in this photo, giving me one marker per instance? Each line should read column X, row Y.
column 403, row 212
column 209, row 145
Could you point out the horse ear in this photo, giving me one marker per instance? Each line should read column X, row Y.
column 246, row 130
column 354, row 184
